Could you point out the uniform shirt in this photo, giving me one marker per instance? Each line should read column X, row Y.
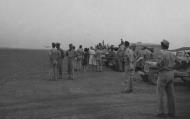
column 79, row 53
column 62, row 54
column 166, row 60
column 120, row 51
column 129, row 56
column 53, row 55
column 71, row 54
column 98, row 54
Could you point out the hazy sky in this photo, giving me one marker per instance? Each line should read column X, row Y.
column 37, row 23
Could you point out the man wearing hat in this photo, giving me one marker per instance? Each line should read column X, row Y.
column 165, row 80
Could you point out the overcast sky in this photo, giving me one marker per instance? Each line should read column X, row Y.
column 37, row 23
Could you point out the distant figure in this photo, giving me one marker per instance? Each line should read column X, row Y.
column 140, row 57
column 165, row 82
column 79, row 58
column 60, row 61
column 129, row 58
column 120, row 58
column 92, row 59
column 98, row 56
column 75, row 59
column 71, row 57
column 53, row 58
column 85, row 59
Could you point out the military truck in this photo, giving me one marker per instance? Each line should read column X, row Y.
column 182, row 68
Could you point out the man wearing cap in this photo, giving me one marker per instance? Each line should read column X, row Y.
column 71, row 57
column 60, row 61
column 53, row 58
column 129, row 59
column 165, row 82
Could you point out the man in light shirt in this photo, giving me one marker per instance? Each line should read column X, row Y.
column 165, row 82
column 53, row 58
column 129, row 58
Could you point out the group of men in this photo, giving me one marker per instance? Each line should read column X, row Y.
column 77, row 60
column 165, row 83
column 129, row 57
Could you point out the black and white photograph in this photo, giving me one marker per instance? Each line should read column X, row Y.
column 94, row 59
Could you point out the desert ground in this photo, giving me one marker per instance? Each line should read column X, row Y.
column 27, row 93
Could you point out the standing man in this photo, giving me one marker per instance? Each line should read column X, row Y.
column 129, row 59
column 98, row 56
column 53, row 58
column 165, row 81
column 79, row 58
column 71, row 57
column 60, row 61
column 120, row 57
column 92, row 60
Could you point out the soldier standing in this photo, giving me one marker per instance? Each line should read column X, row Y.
column 79, row 58
column 129, row 59
column 53, row 58
column 71, row 57
column 60, row 61
column 99, row 59
column 165, row 80
column 120, row 57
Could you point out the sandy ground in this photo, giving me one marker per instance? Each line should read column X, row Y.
column 26, row 92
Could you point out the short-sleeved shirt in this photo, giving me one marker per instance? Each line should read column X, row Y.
column 98, row 54
column 129, row 56
column 79, row 52
column 71, row 54
column 120, row 52
column 53, row 55
column 62, row 53
column 166, row 60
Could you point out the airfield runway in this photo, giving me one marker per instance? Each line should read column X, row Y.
column 26, row 92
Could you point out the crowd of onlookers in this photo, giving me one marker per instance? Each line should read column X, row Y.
column 126, row 57
column 93, row 58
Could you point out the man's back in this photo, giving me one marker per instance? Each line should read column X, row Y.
column 129, row 56
column 53, row 54
column 167, row 60
column 80, row 52
column 98, row 54
column 62, row 53
column 71, row 54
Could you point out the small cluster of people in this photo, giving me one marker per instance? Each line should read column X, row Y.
column 129, row 57
column 77, row 60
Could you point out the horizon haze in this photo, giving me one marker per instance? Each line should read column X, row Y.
column 34, row 24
